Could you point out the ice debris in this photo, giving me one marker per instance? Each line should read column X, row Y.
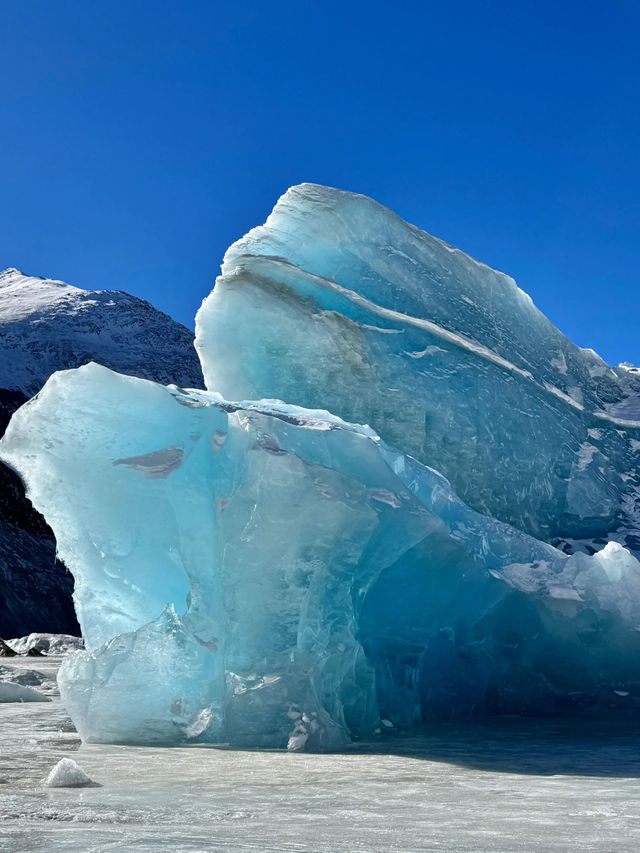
column 6, row 651
column 264, row 574
column 11, row 691
column 49, row 644
column 68, row 774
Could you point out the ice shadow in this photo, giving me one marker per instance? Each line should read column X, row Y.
column 595, row 748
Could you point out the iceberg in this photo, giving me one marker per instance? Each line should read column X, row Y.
column 346, row 307
column 280, row 561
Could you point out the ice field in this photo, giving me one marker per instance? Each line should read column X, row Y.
column 501, row 786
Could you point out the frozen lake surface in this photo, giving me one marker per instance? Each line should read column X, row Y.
column 500, row 786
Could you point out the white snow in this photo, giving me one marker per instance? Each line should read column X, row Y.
column 47, row 325
column 22, row 295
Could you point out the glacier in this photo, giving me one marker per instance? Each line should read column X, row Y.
column 404, row 496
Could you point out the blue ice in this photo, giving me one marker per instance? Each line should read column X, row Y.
column 379, row 547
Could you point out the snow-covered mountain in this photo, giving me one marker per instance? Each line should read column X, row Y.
column 47, row 325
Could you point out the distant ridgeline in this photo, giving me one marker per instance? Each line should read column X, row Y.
column 46, row 326
column 404, row 496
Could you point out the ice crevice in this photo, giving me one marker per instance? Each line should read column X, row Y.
column 354, row 528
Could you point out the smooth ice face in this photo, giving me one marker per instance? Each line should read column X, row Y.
column 336, row 303
column 265, row 575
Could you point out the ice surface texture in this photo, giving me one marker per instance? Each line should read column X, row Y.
column 346, row 307
column 268, row 575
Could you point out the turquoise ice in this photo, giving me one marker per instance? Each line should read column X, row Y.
column 337, row 303
column 268, row 573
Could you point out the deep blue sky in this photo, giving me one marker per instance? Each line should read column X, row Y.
column 138, row 138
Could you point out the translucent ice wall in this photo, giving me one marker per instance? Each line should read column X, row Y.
column 264, row 574
column 347, row 307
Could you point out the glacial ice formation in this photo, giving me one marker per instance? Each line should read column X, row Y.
column 263, row 574
column 346, row 307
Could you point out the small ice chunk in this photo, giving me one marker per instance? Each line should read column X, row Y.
column 12, row 692
column 297, row 738
column 49, row 644
column 6, row 651
column 67, row 774
column 297, row 741
column 200, row 724
column 565, row 593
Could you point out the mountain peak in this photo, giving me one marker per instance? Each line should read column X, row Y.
column 9, row 274
column 48, row 325
column 24, row 295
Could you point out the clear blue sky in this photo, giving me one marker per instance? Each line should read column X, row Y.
column 138, row 138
